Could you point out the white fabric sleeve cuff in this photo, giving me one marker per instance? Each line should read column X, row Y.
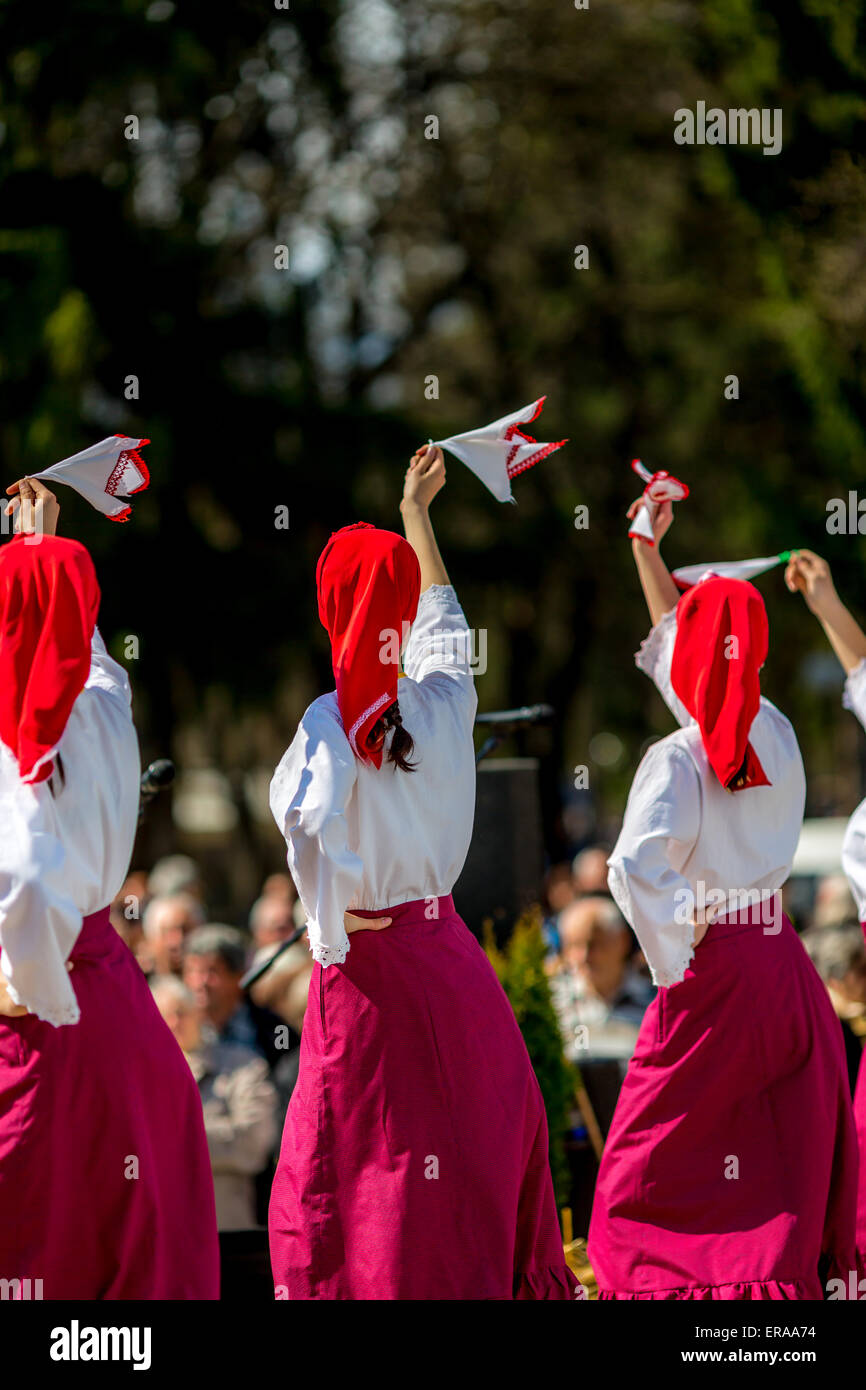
column 325, row 954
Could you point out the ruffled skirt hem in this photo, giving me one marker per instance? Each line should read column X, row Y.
column 548, row 1285
column 757, row 1291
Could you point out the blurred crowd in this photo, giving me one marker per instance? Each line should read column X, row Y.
column 242, row 1045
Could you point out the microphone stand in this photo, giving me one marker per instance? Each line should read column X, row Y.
column 257, row 971
column 507, row 722
column 491, row 742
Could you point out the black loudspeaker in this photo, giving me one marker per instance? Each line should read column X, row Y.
column 503, row 870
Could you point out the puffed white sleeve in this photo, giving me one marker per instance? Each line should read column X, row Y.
column 655, row 658
column 854, row 694
column 660, row 827
column 106, row 673
column 39, row 922
column 64, row 854
column 309, row 794
column 854, row 858
column 440, row 642
column 854, row 843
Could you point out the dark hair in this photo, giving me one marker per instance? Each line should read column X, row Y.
column 61, row 774
column 215, row 939
column 738, row 781
column 402, row 744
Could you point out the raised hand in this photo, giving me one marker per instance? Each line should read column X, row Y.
column 661, row 521
column 425, row 476
column 34, row 506
column 807, row 574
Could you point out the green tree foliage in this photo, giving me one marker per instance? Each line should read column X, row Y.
column 410, row 258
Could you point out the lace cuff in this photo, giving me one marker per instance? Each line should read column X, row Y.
column 437, row 593
column 440, row 641
column 327, row 954
column 58, row 1015
column 674, row 970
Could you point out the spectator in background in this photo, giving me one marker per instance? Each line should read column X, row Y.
column 271, row 920
column 239, row 1103
column 839, row 956
column 599, row 999
column 176, row 873
column 589, row 871
column 213, row 964
column 281, row 888
column 280, row 885
column 834, row 903
column 167, row 923
column 556, row 893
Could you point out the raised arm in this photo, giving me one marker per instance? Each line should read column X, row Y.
column 660, row 591
column 809, row 575
column 424, row 477
column 662, row 597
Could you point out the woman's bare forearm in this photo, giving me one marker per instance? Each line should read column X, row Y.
column 660, row 591
column 419, row 534
column 844, row 633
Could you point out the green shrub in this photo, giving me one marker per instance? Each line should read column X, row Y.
column 520, row 968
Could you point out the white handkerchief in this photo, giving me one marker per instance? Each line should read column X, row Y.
column 497, row 453
column 104, row 474
column 688, row 575
column 660, row 487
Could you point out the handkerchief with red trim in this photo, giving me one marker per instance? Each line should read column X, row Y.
column 496, row 453
column 105, row 475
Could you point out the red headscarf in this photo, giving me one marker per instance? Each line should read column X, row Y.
column 49, row 599
column 368, row 583
column 721, row 645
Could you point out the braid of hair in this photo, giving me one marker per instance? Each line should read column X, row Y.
column 737, row 782
column 402, row 743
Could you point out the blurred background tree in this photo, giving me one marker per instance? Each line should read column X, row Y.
column 412, row 258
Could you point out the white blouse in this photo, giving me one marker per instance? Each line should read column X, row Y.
column 854, row 843
column 364, row 838
column 64, row 856
column 685, row 839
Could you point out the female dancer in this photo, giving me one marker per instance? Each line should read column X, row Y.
column 105, row 1184
column 730, row 1169
column 809, row 575
column 414, row 1161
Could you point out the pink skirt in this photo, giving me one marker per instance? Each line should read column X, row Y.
column 105, row 1182
column 414, row 1160
column 731, row 1165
